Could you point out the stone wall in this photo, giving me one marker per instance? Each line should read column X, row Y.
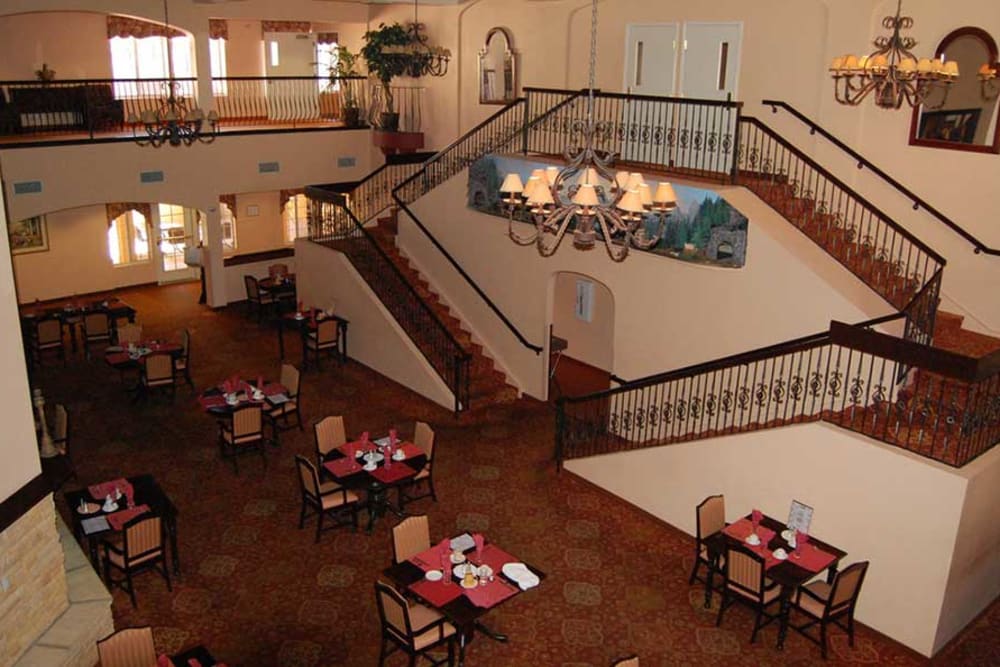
column 31, row 562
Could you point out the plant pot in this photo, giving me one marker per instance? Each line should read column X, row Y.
column 352, row 117
column 389, row 121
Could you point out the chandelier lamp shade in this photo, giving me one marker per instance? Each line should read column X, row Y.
column 175, row 121
column 892, row 72
column 424, row 59
column 586, row 195
column 988, row 82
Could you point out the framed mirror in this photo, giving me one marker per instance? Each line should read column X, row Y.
column 966, row 116
column 497, row 68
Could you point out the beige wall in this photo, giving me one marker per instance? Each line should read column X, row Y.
column 263, row 231
column 878, row 503
column 74, row 44
column 704, row 312
column 326, row 278
column 244, row 49
column 590, row 342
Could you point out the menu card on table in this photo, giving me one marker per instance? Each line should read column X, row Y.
column 95, row 524
column 799, row 517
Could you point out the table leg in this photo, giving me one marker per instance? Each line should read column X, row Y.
column 461, row 649
column 783, row 613
column 831, row 573
column 709, row 582
column 343, row 343
column 492, row 634
column 172, row 536
column 377, row 502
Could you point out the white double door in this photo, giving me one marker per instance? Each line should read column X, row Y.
column 695, row 60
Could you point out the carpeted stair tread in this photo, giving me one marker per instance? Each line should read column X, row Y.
column 949, row 335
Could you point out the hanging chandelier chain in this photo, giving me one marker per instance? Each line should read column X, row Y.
column 593, row 68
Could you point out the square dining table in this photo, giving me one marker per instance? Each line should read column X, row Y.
column 790, row 573
column 146, row 493
column 304, row 323
column 464, row 608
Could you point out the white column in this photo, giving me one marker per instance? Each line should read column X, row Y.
column 203, row 61
column 215, row 277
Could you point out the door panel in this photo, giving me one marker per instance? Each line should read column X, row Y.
column 650, row 69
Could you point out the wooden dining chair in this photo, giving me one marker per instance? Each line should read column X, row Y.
column 423, row 437
column 328, row 499
column 128, row 647
column 410, row 536
column 128, row 333
column 412, row 628
column 256, row 298
column 710, row 518
column 96, row 331
column 141, row 548
column 330, row 434
column 47, row 337
column 824, row 603
column 157, row 374
column 326, row 338
column 182, row 364
column 290, row 379
column 745, row 582
column 243, row 434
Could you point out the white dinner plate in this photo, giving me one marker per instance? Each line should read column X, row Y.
column 433, row 575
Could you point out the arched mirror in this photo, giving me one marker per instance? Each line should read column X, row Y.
column 965, row 117
column 497, row 68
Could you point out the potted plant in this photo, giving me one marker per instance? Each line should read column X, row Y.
column 346, row 61
column 387, row 54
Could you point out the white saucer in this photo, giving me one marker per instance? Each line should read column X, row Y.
column 753, row 539
column 780, row 554
column 457, row 558
column 398, row 455
column 433, row 575
column 369, row 467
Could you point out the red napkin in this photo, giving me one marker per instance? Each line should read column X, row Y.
column 444, row 547
column 119, row 519
column 479, row 540
column 392, row 437
column 350, row 448
column 260, row 382
column 801, row 539
column 300, row 306
column 411, row 450
column 129, row 492
column 742, row 528
column 493, row 593
column 342, row 467
column 437, row 593
column 116, row 358
column 388, row 475
column 194, row 662
column 755, row 517
column 273, row 389
column 364, row 439
column 214, row 401
column 812, row 558
column 163, row 661
column 100, row 491
column 425, row 559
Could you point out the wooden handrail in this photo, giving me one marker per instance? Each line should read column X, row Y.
column 863, row 162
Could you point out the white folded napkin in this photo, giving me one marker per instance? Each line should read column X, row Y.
column 520, row 573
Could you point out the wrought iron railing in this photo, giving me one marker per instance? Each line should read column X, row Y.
column 886, row 257
column 333, row 222
column 930, row 402
column 407, row 102
column 863, row 162
column 688, row 136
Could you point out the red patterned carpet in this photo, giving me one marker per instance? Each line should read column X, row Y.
column 259, row 593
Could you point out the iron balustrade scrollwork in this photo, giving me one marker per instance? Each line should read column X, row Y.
column 876, row 249
column 933, row 403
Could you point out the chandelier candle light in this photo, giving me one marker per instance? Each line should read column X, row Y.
column 427, row 60
column 587, row 193
column 174, row 122
column 892, row 71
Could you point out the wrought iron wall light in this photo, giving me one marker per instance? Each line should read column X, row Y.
column 174, row 122
column 988, row 82
column 892, row 72
column 426, row 60
column 587, row 195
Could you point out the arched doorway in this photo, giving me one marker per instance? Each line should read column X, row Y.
column 582, row 329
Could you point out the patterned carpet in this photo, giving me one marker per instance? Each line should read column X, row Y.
column 259, row 593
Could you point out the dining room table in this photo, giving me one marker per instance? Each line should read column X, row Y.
column 233, row 393
column 93, row 520
column 196, row 655
column 438, row 578
column 799, row 566
column 304, row 321
column 70, row 312
column 375, row 467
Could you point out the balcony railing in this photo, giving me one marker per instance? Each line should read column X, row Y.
column 92, row 108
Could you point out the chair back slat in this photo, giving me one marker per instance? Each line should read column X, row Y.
column 290, row 379
column 129, row 333
column 48, row 331
column 96, row 324
column 253, row 290
column 159, row 367
column 711, row 516
column 129, row 647
column 308, row 478
column 326, row 332
column 744, row 571
column 394, row 611
column 846, row 587
column 143, row 536
column 61, row 430
column 423, row 437
column 329, row 434
column 410, row 537
column 246, row 421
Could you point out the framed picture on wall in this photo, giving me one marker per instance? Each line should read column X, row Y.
column 28, row 235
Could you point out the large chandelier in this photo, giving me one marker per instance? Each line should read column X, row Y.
column 892, row 71
column 174, row 122
column 586, row 194
column 425, row 60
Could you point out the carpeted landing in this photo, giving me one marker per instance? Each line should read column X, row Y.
column 258, row 592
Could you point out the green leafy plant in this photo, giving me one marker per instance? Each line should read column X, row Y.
column 385, row 52
column 346, row 66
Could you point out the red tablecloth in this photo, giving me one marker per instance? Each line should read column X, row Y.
column 491, row 594
column 101, row 491
column 274, row 388
column 429, row 559
column 410, row 450
column 438, row 593
column 341, row 467
column 494, row 556
column 812, row 558
column 214, row 401
column 119, row 519
column 398, row 471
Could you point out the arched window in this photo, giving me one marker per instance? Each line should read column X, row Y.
column 128, row 239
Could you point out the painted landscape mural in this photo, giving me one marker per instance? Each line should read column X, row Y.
column 703, row 228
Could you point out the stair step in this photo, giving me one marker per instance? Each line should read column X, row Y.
column 949, row 335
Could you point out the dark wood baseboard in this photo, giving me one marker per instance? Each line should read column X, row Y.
column 262, row 256
column 22, row 500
